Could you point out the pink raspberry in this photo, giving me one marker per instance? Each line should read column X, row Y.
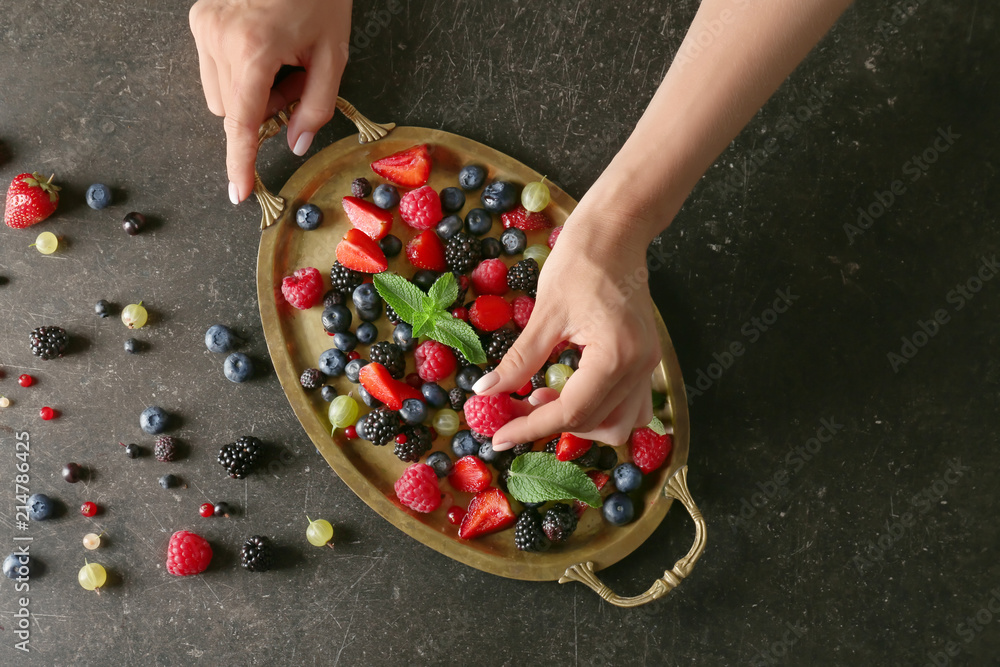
column 486, row 414
column 434, row 361
column 417, row 488
column 649, row 450
column 553, row 236
column 303, row 289
column 188, row 553
column 421, row 208
column 522, row 306
column 490, row 277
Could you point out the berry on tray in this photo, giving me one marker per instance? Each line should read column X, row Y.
column 255, row 555
column 618, row 509
column 417, row 488
column 513, row 241
column 434, row 361
column 343, row 411
column 309, row 217
column 525, row 220
column 470, row 474
column 361, row 187
column 522, row 307
column 489, row 312
column 471, row 177
column 490, row 277
column 188, row 553
column 409, row 168
column 369, row 218
column 559, row 522
column 628, row 477
column 303, row 289
column 488, row 512
column 462, row 253
column 441, row 463
column 385, row 196
column 425, row 251
column 500, row 342
column 648, row 449
column 478, row 222
column 30, row 199
column 240, row 457
column 572, row 447
column 421, row 208
column 499, row 196
column 448, row 227
column 528, row 533
column 358, row 252
column 554, row 236
column 452, row 200
column 535, row 196
column 523, row 276
column 48, row 342
column 412, row 442
column 380, row 426
column 378, row 382
column 486, row 414
column 446, row 422
column 238, row 367
column 98, row 196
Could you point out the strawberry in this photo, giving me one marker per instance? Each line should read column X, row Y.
column 649, row 450
column 571, row 447
column 525, row 220
column 30, row 199
column 599, row 479
column 425, row 251
column 377, row 381
column 359, row 252
column 410, row 168
column 303, row 289
column 488, row 512
column 489, row 312
column 366, row 216
column 470, row 474
column 554, row 236
column 490, row 277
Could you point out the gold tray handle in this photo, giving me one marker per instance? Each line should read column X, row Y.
column 272, row 205
column 676, row 487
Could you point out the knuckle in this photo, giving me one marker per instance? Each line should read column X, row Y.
column 576, row 418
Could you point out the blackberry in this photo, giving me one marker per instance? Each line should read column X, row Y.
column 418, row 441
column 528, row 534
column 256, row 554
column 456, row 397
column 239, row 458
column 550, row 446
column 481, row 438
column 391, row 315
column 333, row 298
column 165, row 449
column 460, row 358
column 49, row 342
column 361, row 188
column 559, row 522
column 381, row 426
column 538, row 380
column 463, row 288
column 489, row 368
column 391, row 356
column 462, row 253
column 343, row 279
column 524, row 276
column 311, row 378
column 523, row 448
column 501, row 340
column 502, row 479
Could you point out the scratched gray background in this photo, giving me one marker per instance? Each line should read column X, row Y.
column 109, row 92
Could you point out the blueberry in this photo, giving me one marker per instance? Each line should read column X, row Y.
column 478, row 221
column 333, row 362
column 449, row 226
column 385, row 196
column 353, row 368
column 370, row 314
column 441, row 463
column 590, row 457
column 367, row 333
column 18, row 565
column 463, row 444
column 471, row 177
column 238, row 367
column 499, row 197
column 490, row 248
column 413, row 411
column 337, row 319
column 220, row 338
column 133, row 451
column 571, row 358
column 328, row 393
column 366, row 297
column 368, row 399
column 402, row 336
column 391, row 245
column 168, row 481
column 627, row 476
column 40, row 507
column 618, row 509
column 154, row 420
column 345, row 342
column 513, row 241
column 452, row 199
column 133, row 346
column 103, row 308
column 467, row 376
column 435, row 396
column 608, row 459
column 424, row 278
column 98, row 196
column 359, row 427
column 308, row 217
column 487, row 453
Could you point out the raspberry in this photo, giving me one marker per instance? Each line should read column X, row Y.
column 489, row 313
column 525, row 220
column 523, row 276
column 361, row 187
column 434, row 361
column 649, row 450
column 303, row 289
column 486, row 414
column 522, row 307
column 490, row 277
column 187, row 553
column 421, row 208
column 554, row 236
column 417, row 488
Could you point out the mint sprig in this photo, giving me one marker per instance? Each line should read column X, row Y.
column 426, row 312
column 537, row 477
column 657, row 426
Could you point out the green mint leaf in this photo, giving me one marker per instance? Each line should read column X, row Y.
column 444, row 291
column 404, row 297
column 456, row 333
column 657, row 426
column 421, row 324
column 537, row 477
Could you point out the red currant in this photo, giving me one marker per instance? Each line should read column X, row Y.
column 206, row 510
column 351, row 432
column 25, row 380
column 353, row 355
column 414, row 381
column 455, row 515
column 433, row 431
column 88, row 509
column 47, row 413
column 401, row 439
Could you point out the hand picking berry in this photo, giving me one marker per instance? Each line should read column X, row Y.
column 649, row 450
column 30, row 199
column 486, row 414
column 188, row 554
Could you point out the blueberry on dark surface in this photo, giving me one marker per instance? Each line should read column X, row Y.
column 627, row 476
column 370, row 314
column 524, row 276
column 103, row 309
column 434, row 394
column 368, row 399
column 413, row 411
column 463, row 444
column 165, row 449
column 471, row 177
column 528, row 533
column 337, row 319
column 168, row 481
column 456, row 398
column 416, row 441
column 240, row 457
column 402, row 336
column 132, row 346
column 238, row 367
column 608, row 458
column 618, row 509
column 487, row 453
column 367, row 333
column 452, row 199
column 391, row 356
column 441, row 463
column 366, row 297
column 344, row 279
column 424, row 278
column 353, row 369
column 133, row 223
column 220, row 338
column 513, row 241
column 40, row 507
column 490, row 248
column 255, row 555
column 333, row 362
column 571, row 358
column 327, row 393
column 462, row 253
column 478, row 221
column 308, row 217
column 17, row 565
column 385, row 196
column 448, row 227
column 360, row 187
column 333, row 298
column 311, row 378
column 391, row 245
column 345, row 342
column 559, row 522
column 98, row 196
column 500, row 197
column 467, row 376
column 132, row 450
column 48, row 342
column 590, row 457
column 154, row 420
column 381, row 426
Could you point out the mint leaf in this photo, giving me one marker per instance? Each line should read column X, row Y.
column 537, row 477
column 460, row 335
column 657, row 426
column 444, row 291
column 404, row 297
column 422, row 322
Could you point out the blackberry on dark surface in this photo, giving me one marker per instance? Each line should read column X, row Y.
column 462, row 253
column 391, row 356
column 311, row 378
column 165, row 449
column 528, row 533
column 418, row 442
column 239, row 458
column 381, row 426
column 49, row 342
column 501, row 340
column 559, row 522
column 343, row 279
column 456, row 397
column 360, row 187
column 524, row 276
column 391, row 315
column 523, row 448
column 256, row 554
column 550, row 446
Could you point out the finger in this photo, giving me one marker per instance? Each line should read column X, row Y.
column 537, row 399
column 524, row 358
column 210, row 82
column 286, row 91
column 319, row 100
column 249, row 90
column 645, row 407
column 617, row 426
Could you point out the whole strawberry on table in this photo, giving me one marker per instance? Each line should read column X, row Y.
column 30, row 199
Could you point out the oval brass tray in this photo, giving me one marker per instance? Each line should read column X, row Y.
column 295, row 340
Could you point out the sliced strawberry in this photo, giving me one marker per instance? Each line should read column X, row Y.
column 410, row 168
column 426, row 251
column 359, row 252
column 598, row 478
column 377, row 381
column 366, row 216
column 470, row 474
column 525, row 220
column 570, row 446
column 488, row 512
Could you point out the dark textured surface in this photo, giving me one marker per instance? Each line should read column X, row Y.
column 109, row 92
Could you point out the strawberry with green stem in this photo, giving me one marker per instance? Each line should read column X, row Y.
column 30, row 199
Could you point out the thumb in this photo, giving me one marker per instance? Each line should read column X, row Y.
column 525, row 357
column 319, row 100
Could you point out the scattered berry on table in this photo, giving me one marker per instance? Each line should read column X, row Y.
column 165, row 449
column 490, row 277
column 308, row 217
column 522, row 306
column 343, row 411
column 168, row 481
column 381, row 426
column 88, row 509
column 608, row 458
column 71, row 472
column 361, row 187
column 132, row 450
column 337, row 319
column 367, row 333
column 319, row 532
column 416, row 441
column 358, row 252
column 238, row 367
column 559, row 522
column 17, row 565
column 591, row 457
column 490, row 248
column 455, row 515
column 425, row 251
column 488, row 512
column 513, row 241
column 4, row 402
column 535, row 196
column 441, row 463
column 470, row 474
column 501, row 340
column 471, row 177
column 30, row 199
column 132, row 346
column 446, row 422
column 570, row 358
column 421, row 208
column 25, row 380
column 390, row 245
column 553, row 236
column 40, row 507
column 499, row 196
column 435, row 361
column 385, row 196
column 92, row 576
column 135, row 315
column 240, row 457
column 478, row 222
column 417, row 488
column 391, row 356
column 91, row 541
column 648, row 449
column 409, row 168
column 47, row 413
column 571, row 447
column 468, row 376
column 188, row 553
column 46, row 243
column 303, row 289
column 103, row 309
column 414, row 411
column 48, row 342
column 525, row 220
column 353, row 369
column 489, row 312
column 452, row 199
column 424, row 279
column 557, row 375
column 133, row 223
column 618, row 509
column 523, row 276
column 206, row 510
column 462, row 253
column 448, row 227
column 434, row 395
column 374, row 221
column 221, row 510
column 98, row 196
column 628, row 477
column 528, row 534
column 345, row 341
column 456, row 398
column 154, row 420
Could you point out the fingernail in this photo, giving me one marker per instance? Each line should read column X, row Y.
column 303, row 143
column 534, row 400
column 503, row 446
column 234, row 194
column 485, row 382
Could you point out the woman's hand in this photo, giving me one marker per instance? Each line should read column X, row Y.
column 241, row 46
